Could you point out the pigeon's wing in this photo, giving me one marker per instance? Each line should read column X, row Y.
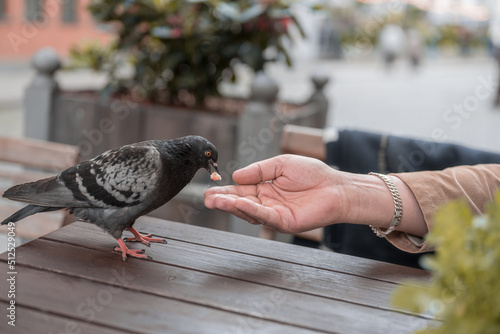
column 115, row 179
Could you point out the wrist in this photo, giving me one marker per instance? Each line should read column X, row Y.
column 368, row 201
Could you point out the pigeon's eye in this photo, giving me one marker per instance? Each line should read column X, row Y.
column 208, row 154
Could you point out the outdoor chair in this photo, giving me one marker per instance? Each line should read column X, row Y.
column 25, row 160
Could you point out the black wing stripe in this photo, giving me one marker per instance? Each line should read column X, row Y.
column 88, row 181
column 117, row 178
column 69, row 179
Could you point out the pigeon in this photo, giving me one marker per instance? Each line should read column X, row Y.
column 115, row 188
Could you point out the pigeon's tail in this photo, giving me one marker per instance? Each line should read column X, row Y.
column 27, row 211
column 28, row 192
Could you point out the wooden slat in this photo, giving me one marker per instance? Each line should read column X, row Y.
column 35, row 321
column 17, row 177
column 34, row 153
column 217, row 292
column 262, row 270
column 303, row 141
column 124, row 309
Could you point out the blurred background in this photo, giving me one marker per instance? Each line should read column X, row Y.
column 426, row 69
column 411, row 67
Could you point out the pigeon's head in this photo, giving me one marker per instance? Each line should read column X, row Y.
column 205, row 152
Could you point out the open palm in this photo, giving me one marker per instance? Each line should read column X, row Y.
column 288, row 193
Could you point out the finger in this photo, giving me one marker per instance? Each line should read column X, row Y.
column 242, row 191
column 218, row 201
column 265, row 170
column 216, row 190
column 258, row 212
column 226, row 203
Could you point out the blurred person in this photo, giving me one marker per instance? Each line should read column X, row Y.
column 392, row 42
column 414, row 47
column 329, row 39
column 464, row 41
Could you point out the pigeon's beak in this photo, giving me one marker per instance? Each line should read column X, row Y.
column 214, row 176
column 214, row 166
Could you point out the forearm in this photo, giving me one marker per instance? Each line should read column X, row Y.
column 422, row 194
column 476, row 184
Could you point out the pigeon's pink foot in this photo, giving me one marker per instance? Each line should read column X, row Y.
column 145, row 239
column 138, row 253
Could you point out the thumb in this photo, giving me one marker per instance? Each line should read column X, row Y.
column 262, row 171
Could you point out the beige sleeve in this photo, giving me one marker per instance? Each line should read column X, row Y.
column 477, row 184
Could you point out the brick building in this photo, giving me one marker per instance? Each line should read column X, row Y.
column 28, row 25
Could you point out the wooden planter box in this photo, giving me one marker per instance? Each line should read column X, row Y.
column 96, row 125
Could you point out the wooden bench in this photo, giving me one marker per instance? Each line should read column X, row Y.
column 25, row 160
column 308, row 142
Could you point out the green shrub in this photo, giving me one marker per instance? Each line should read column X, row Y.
column 464, row 292
column 180, row 50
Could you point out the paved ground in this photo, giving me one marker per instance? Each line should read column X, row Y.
column 445, row 100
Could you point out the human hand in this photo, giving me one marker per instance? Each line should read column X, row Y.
column 287, row 193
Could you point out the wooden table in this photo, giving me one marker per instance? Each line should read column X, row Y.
column 202, row 281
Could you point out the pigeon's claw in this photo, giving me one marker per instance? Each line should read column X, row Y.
column 145, row 239
column 138, row 253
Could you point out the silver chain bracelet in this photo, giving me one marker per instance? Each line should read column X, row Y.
column 398, row 207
